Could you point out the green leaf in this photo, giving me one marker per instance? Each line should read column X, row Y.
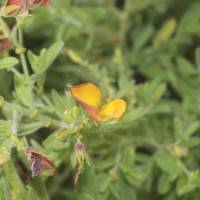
column 190, row 21
column 36, row 64
column 5, row 193
column 143, row 37
column 182, row 185
column 164, row 184
column 26, row 129
column 39, row 188
column 126, row 190
column 8, row 62
column 86, row 183
column 53, row 52
column 31, row 195
column 18, row 188
column 133, row 115
column 128, row 158
column 4, row 153
column 50, row 140
column 177, row 127
column 134, row 176
column 161, row 107
column 159, row 92
column 86, row 197
column 42, row 62
column 165, row 161
column 106, row 164
column 190, row 142
column 63, row 133
column 59, row 102
column 185, row 67
column 125, row 86
column 40, row 78
column 103, row 181
column 23, row 92
column 4, row 128
column 192, row 129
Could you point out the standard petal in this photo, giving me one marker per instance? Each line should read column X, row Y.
column 113, row 110
column 87, row 93
column 89, row 96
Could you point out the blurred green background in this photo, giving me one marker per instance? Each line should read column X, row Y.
column 144, row 51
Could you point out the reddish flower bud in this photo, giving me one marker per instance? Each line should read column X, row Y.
column 21, row 3
column 14, row 7
column 4, row 43
column 37, row 161
column 80, row 159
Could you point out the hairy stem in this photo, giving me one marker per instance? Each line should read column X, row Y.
column 14, row 123
column 21, row 43
column 21, row 51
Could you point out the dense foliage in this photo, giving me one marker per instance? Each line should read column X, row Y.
column 143, row 51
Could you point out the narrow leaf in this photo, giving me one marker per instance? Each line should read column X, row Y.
column 128, row 158
column 159, row 92
column 59, row 102
column 14, row 180
column 23, row 92
column 39, row 187
column 177, row 127
column 8, row 62
column 164, row 184
column 30, row 128
column 31, row 195
column 4, row 188
column 192, row 129
column 53, row 52
column 165, row 161
column 134, row 115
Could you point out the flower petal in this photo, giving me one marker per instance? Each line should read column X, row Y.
column 89, row 96
column 113, row 110
column 21, row 3
column 41, row 2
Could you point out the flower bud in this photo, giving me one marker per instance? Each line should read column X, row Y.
column 180, row 151
column 80, row 159
column 5, row 43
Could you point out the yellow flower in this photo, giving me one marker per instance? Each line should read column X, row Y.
column 89, row 96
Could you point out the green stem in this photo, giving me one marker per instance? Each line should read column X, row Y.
column 15, row 72
column 14, row 124
column 24, row 65
column 183, row 167
column 25, row 141
column 23, row 58
column 22, row 55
